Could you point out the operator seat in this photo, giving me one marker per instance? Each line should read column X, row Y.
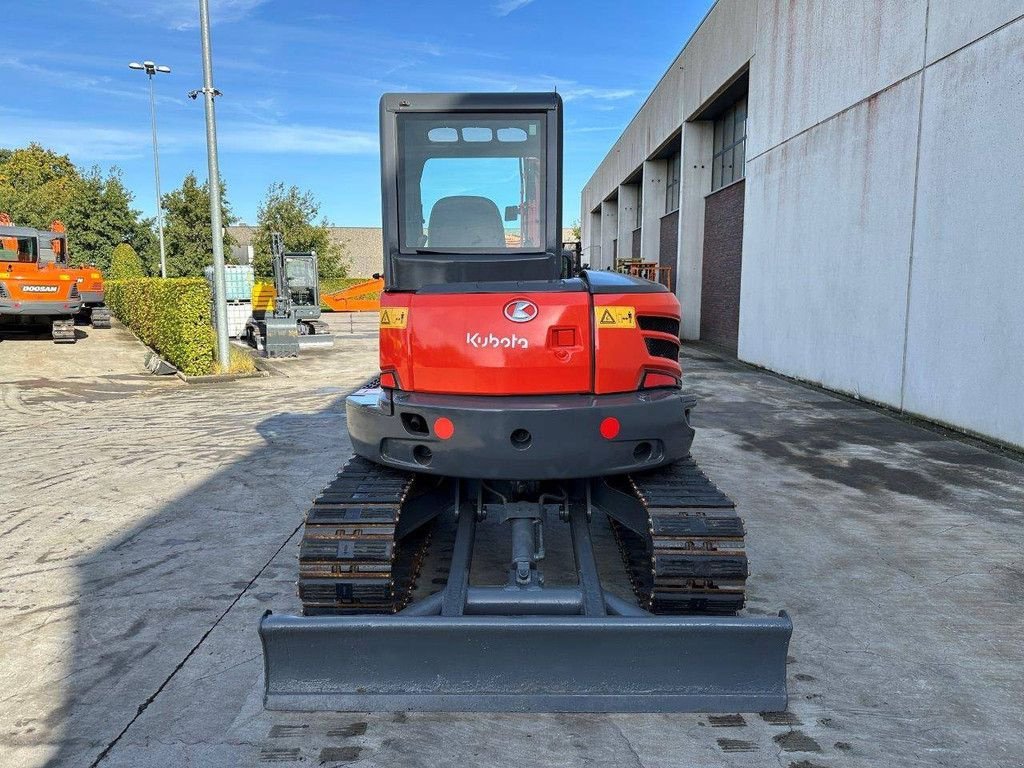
column 465, row 221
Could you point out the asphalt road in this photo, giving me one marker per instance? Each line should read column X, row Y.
column 146, row 524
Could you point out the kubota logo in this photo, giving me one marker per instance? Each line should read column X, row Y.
column 520, row 310
column 479, row 341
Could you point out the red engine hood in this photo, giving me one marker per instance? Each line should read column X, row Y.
column 488, row 343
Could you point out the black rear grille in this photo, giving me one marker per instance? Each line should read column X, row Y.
column 662, row 348
column 661, row 324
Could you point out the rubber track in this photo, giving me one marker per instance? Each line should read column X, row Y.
column 315, row 328
column 63, row 332
column 693, row 559
column 99, row 317
column 349, row 561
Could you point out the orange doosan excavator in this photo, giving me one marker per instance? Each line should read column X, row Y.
column 94, row 310
column 34, row 286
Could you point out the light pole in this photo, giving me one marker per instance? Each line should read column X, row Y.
column 151, row 69
column 216, row 225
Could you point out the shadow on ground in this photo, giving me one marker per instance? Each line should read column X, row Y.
column 147, row 601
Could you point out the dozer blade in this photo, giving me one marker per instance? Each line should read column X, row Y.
column 525, row 663
column 313, row 340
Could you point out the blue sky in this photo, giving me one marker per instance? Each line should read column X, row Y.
column 302, row 79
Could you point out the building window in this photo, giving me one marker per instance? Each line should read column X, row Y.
column 672, row 183
column 727, row 163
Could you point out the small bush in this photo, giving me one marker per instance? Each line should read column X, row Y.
column 173, row 316
column 125, row 264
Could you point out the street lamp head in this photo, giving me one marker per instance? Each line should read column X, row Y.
column 164, row 68
column 149, row 64
column 135, row 65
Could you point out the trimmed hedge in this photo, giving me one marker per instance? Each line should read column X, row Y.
column 171, row 315
column 125, row 263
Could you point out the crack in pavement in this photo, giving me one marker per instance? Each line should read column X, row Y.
column 152, row 697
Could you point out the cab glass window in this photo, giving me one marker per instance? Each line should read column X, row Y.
column 471, row 182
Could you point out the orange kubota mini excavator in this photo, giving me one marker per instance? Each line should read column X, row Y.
column 33, row 288
column 516, row 394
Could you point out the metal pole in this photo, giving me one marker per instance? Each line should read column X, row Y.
column 219, row 285
column 156, row 176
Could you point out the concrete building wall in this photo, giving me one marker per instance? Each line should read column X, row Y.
column 965, row 331
column 884, row 212
column 815, row 58
column 827, row 247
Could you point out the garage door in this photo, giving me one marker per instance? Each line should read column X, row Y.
column 720, row 275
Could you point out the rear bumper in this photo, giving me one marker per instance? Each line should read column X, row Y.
column 39, row 308
column 564, row 433
column 93, row 298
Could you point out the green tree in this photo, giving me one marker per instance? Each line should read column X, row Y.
column 36, row 185
column 125, row 263
column 99, row 217
column 188, row 239
column 144, row 241
column 294, row 213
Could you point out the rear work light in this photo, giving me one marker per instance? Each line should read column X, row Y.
column 653, row 380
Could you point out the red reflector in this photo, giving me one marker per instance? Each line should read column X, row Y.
column 609, row 428
column 389, row 380
column 652, row 380
column 444, row 428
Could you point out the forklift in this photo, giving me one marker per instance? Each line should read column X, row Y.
column 288, row 321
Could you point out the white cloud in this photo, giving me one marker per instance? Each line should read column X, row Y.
column 603, row 94
column 89, row 143
column 594, row 129
column 295, row 139
column 505, row 7
column 463, row 78
column 85, row 143
column 69, row 79
column 182, row 14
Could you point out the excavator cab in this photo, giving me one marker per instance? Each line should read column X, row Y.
column 18, row 249
column 471, row 187
column 537, row 406
column 301, row 282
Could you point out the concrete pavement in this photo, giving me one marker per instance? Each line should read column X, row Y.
column 144, row 530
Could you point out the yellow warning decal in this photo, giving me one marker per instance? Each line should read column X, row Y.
column 394, row 317
column 615, row 317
